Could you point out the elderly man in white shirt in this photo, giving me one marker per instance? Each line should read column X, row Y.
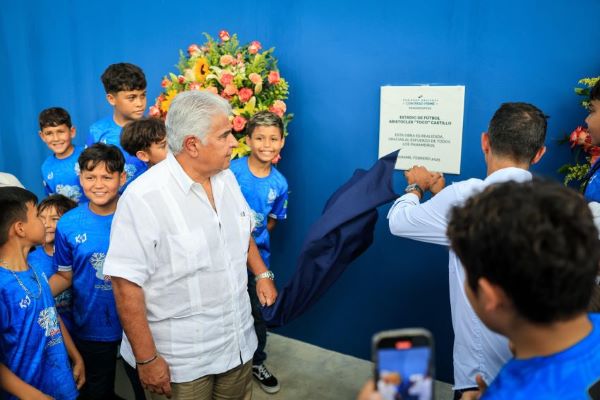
column 179, row 251
column 514, row 141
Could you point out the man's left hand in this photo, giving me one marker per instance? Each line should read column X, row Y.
column 421, row 176
column 266, row 291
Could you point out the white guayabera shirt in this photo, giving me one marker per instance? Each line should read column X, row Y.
column 190, row 262
column 477, row 350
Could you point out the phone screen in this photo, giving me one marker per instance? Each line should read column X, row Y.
column 404, row 369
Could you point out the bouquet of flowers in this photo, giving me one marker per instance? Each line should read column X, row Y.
column 243, row 74
column 584, row 153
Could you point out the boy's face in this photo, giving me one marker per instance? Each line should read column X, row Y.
column 33, row 229
column 49, row 217
column 129, row 104
column 155, row 154
column 593, row 121
column 266, row 143
column 58, row 139
column 100, row 186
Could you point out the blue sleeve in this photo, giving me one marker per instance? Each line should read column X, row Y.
column 90, row 140
column 46, row 187
column 63, row 251
column 279, row 210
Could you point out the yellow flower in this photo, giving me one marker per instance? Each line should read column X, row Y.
column 166, row 103
column 201, row 69
column 241, row 150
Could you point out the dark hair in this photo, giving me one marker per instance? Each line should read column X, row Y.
column 517, row 131
column 61, row 203
column 109, row 154
column 13, row 208
column 139, row 135
column 264, row 118
column 536, row 240
column 122, row 77
column 54, row 116
column 595, row 91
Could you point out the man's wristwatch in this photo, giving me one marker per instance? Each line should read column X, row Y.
column 414, row 187
column 268, row 274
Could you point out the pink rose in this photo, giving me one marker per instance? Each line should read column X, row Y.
column 181, row 79
column 239, row 123
column 255, row 78
column 254, row 47
column 226, row 59
column 278, row 108
column 193, row 49
column 273, row 77
column 245, row 94
column 224, row 35
column 226, row 79
column 230, row 89
column 212, row 89
column 154, row 111
column 165, row 82
column 195, row 86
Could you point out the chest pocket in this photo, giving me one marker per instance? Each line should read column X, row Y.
column 189, row 253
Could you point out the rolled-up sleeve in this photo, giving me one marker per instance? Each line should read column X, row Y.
column 133, row 239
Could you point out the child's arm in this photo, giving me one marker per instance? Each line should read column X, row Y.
column 60, row 281
column 18, row 387
column 76, row 359
column 271, row 222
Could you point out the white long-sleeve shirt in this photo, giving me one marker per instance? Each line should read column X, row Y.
column 477, row 350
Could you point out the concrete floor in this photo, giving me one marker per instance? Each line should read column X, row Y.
column 307, row 372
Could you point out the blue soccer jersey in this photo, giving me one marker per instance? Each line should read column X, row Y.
column 571, row 374
column 31, row 342
column 592, row 189
column 62, row 176
column 43, row 262
column 267, row 198
column 80, row 246
column 108, row 132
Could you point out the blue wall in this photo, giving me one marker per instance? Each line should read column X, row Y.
column 336, row 55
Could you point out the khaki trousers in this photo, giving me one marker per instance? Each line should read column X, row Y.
column 235, row 384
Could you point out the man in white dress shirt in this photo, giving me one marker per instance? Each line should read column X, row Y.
column 514, row 141
column 179, row 251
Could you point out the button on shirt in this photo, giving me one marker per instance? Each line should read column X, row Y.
column 191, row 264
column 477, row 350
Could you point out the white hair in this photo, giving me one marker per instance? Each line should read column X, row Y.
column 191, row 113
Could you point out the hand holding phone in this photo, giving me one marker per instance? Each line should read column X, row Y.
column 404, row 364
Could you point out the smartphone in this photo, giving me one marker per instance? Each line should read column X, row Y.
column 404, row 367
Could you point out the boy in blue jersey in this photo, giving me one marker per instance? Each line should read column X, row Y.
column 530, row 252
column 266, row 191
column 146, row 139
column 125, row 86
column 60, row 172
column 81, row 243
column 49, row 211
column 34, row 346
column 592, row 179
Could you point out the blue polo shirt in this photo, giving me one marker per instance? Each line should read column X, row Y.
column 62, row 176
column 31, row 342
column 80, row 246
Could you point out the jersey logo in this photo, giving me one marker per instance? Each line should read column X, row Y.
column 271, row 196
column 97, row 261
column 50, row 176
column 77, row 170
column 81, row 238
column 25, row 302
column 130, row 170
column 71, row 191
column 48, row 321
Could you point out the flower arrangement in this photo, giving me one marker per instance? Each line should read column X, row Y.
column 584, row 153
column 242, row 74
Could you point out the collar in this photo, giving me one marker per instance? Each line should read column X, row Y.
column 181, row 177
column 508, row 174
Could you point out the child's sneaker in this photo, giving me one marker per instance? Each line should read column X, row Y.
column 267, row 381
